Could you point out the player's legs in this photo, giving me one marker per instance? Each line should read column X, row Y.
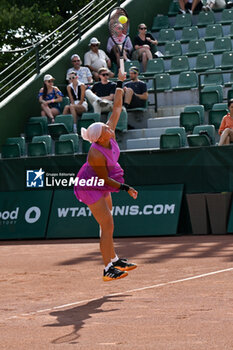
column 109, row 203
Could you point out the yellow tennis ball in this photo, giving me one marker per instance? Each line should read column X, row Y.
column 122, row 19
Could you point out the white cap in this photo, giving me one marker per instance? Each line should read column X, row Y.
column 75, row 55
column 48, row 77
column 94, row 41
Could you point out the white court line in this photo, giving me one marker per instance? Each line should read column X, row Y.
column 121, row 293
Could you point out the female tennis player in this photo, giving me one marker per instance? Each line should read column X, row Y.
column 102, row 163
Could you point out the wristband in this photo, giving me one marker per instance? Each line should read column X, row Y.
column 124, row 187
column 119, row 84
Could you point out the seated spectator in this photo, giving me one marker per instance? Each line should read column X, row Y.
column 50, row 97
column 95, row 59
column 190, row 6
column 226, row 128
column 113, row 50
column 76, row 93
column 214, row 4
column 83, row 73
column 102, row 93
column 143, row 44
column 135, row 90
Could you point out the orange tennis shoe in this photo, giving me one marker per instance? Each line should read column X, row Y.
column 124, row 265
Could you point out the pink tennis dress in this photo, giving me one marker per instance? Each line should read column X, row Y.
column 91, row 194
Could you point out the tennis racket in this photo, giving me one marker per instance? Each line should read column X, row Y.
column 119, row 32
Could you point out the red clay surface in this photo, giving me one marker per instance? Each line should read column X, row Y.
column 52, row 295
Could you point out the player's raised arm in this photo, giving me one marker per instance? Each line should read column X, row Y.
column 118, row 101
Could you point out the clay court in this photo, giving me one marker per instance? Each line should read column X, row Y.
column 180, row 296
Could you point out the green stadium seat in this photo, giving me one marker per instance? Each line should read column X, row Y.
column 129, row 64
column 67, row 119
column 154, row 66
column 83, row 123
column 183, row 20
column 211, row 95
column 198, row 109
column 172, row 49
column 227, row 16
column 212, row 79
column 163, row 82
column 159, row 22
column 230, row 82
column 209, row 129
column 204, row 61
column 179, row 64
column 187, row 80
column 189, row 33
column 64, row 147
column 198, row 140
column 196, row 47
column 217, row 113
column 173, row 8
column 33, row 129
column 227, row 60
column 230, row 94
column 94, row 116
column 205, row 18
column 44, row 138
column 11, row 151
column 65, row 102
column 178, row 130
column 221, row 45
column 166, row 35
column 37, row 149
column 17, row 140
column 43, row 120
column 63, row 125
column 139, row 109
column 170, row 141
column 85, row 146
column 231, row 31
column 73, row 137
column 189, row 120
column 122, row 124
column 213, row 31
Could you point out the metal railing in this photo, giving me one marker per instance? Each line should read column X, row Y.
column 43, row 52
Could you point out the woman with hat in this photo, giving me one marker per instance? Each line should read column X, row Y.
column 102, row 164
column 50, row 97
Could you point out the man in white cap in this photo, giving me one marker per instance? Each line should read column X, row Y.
column 95, row 59
column 83, row 73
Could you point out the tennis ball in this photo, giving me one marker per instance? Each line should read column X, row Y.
column 122, row 19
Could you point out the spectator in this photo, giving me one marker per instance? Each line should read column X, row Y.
column 143, row 44
column 102, row 93
column 190, row 6
column 214, row 4
column 76, row 93
column 226, row 128
column 50, row 97
column 95, row 59
column 83, row 73
column 135, row 90
column 113, row 50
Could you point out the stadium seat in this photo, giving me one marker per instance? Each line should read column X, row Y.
column 196, row 47
column 43, row 120
column 172, row 49
column 170, row 141
column 178, row 130
column 173, row 8
column 189, row 33
column 179, row 64
column 33, row 129
column 166, row 35
column 211, row 79
column 209, row 129
column 163, row 82
column 219, row 110
column 64, row 147
column 227, row 16
column 213, row 31
column 141, row 109
column 133, row 63
column 63, row 125
column 83, row 123
column 17, row 140
column 230, row 94
column 85, row 146
column 37, row 149
column 74, row 138
column 227, row 60
column 198, row 109
column 154, row 66
column 192, row 116
column 187, row 80
column 198, row 140
column 11, row 150
column 159, row 22
column 204, row 61
column 123, row 120
column 94, row 116
column 183, row 20
column 65, row 102
column 205, row 18
column 211, row 95
column 231, row 31
column 44, row 138
column 221, row 45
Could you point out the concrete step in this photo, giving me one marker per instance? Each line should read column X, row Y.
column 163, row 122
column 169, row 110
column 145, row 133
column 143, row 143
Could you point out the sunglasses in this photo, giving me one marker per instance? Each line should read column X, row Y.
column 50, row 81
column 94, row 44
column 143, row 28
column 72, row 78
column 105, row 74
column 76, row 61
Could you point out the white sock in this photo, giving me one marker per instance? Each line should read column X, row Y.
column 107, row 267
column 75, row 128
column 115, row 259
